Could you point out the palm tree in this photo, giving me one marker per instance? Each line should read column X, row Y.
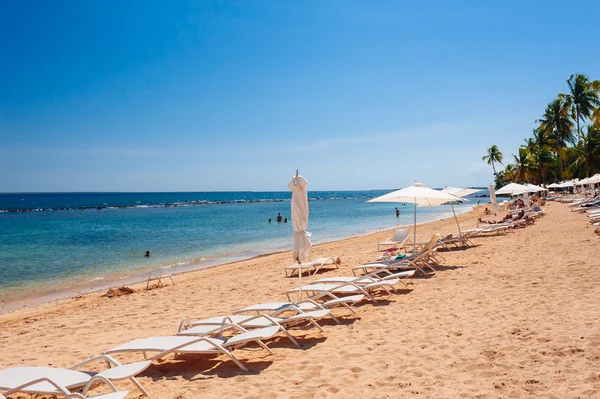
column 542, row 154
column 582, row 98
column 493, row 155
column 585, row 157
column 522, row 166
column 558, row 128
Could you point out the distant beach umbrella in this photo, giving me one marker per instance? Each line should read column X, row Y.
column 459, row 192
column 513, row 189
column 535, row 188
column 419, row 195
column 299, row 207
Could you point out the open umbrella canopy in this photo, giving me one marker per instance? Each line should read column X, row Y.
column 568, row 183
column 590, row 180
column 594, row 179
column 460, row 192
column 513, row 189
column 535, row 188
column 553, row 185
column 419, row 195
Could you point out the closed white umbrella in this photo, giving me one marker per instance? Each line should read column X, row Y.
column 495, row 209
column 459, row 192
column 300, row 238
column 419, row 195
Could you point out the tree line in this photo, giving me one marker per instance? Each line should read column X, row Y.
column 565, row 143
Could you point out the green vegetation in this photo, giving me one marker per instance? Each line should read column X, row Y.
column 564, row 145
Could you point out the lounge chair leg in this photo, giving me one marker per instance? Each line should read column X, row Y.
column 139, row 386
column 316, row 325
column 349, row 307
column 286, row 332
column 236, row 361
column 265, row 347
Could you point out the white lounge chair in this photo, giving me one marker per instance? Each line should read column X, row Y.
column 305, row 305
column 366, row 279
column 463, row 239
column 57, row 381
column 60, row 390
column 197, row 345
column 198, row 327
column 315, row 265
column 418, row 262
column 398, row 240
column 114, row 395
column 316, row 291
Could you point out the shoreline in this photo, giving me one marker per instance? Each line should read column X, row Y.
column 85, row 288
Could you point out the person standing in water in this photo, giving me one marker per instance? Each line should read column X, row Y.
column 279, row 218
column 397, row 212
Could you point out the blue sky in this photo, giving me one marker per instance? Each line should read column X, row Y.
column 203, row 96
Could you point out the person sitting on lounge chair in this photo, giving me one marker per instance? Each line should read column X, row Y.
column 506, row 218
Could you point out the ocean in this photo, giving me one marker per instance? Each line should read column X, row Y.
column 81, row 241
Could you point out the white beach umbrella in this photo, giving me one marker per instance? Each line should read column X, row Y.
column 459, row 192
column 552, row 185
column 535, row 188
column 495, row 209
column 595, row 179
column 300, row 238
column 513, row 189
column 566, row 184
column 419, row 195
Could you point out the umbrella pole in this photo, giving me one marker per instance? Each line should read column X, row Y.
column 415, row 230
column 300, row 277
column 455, row 218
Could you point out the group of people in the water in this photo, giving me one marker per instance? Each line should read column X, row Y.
column 279, row 219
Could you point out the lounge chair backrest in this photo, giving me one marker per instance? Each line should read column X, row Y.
column 423, row 254
column 431, row 243
column 400, row 235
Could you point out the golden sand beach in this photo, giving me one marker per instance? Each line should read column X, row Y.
column 514, row 316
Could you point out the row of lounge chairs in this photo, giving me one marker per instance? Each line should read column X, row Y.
column 589, row 205
column 223, row 334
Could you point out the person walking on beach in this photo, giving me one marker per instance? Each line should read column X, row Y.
column 279, row 218
column 397, row 212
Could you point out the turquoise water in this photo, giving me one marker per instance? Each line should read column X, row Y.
column 42, row 246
